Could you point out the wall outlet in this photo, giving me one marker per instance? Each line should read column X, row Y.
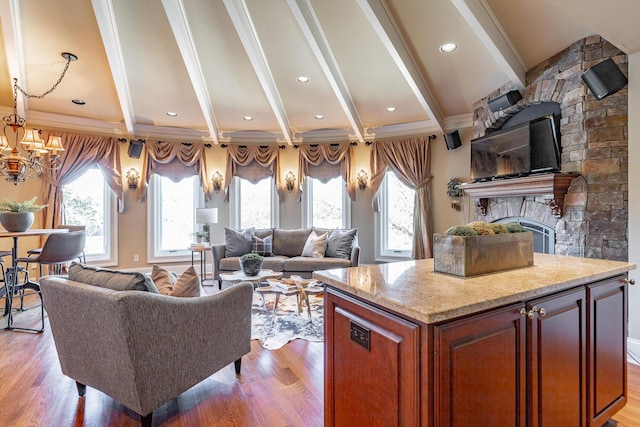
column 136, row 258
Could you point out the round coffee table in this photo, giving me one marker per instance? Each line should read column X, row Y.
column 239, row 276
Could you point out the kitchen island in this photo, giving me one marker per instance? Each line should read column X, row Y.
column 541, row 345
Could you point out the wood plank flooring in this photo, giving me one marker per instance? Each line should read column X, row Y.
column 276, row 388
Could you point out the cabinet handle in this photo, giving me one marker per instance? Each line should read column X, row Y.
column 523, row 312
column 532, row 313
column 542, row 312
column 630, row 281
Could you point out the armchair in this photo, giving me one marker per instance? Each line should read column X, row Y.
column 143, row 348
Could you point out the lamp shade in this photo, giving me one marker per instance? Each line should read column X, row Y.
column 207, row 215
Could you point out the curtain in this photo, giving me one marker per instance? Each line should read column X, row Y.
column 176, row 161
column 82, row 152
column 410, row 159
column 253, row 162
column 340, row 155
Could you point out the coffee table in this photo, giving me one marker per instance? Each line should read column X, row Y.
column 277, row 291
column 239, row 276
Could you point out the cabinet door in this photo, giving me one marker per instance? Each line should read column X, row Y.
column 557, row 341
column 480, row 368
column 371, row 365
column 607, row 319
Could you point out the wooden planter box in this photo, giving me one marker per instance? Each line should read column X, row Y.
column 472, row 255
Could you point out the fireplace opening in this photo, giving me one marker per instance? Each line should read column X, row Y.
column 544, row 237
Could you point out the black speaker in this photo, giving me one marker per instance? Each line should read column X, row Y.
column 135, row 148
column 504, row 101
column 604, row 78
column 453, row 140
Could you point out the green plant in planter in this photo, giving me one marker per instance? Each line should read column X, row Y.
column 460, row 230
column 514, row 227
column 18, row 216
column 251, row 264
column 26, row 206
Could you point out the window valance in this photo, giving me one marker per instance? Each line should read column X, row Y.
column 252, row 162
column 176, row 161
column 339, row 155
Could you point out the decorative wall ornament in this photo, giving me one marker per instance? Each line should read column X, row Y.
column 290, row 180
column 455, row 192
column 217, row 180
column 363, row 179
column 133, row 179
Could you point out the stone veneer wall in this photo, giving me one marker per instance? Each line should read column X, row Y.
column 594, row 144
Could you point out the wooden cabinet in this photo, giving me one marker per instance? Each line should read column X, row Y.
column 480, row 367
column 371, row 366
column 607, row 338
column 557, row 360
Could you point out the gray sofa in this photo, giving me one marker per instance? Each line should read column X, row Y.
column 142, row 348
column 286, row 253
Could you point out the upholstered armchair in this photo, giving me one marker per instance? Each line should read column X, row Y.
column 143, row 348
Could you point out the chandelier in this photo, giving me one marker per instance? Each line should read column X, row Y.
column 23, row 154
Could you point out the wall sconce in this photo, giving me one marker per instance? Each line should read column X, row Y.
column 217, row 179
column 362, row 179
column 290, row 179
column 133, row 178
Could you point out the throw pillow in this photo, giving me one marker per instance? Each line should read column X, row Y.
column 188, row 284
column 315, row 246
column 111, row 279
column 262, row 247
column 163, row 279
column 237, row 242
column 340, row 243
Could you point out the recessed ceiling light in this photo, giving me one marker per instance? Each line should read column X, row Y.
column 247, row 118
column 78, row 101
column 303, row 79
column 318, row 117
column 172, row 114
column 390, row 109
column 448, row 47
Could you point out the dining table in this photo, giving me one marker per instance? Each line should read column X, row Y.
column 11, row 272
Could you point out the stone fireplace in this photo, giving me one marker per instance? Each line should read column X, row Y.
column 586, row 205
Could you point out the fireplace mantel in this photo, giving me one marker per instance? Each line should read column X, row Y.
column 552, row 186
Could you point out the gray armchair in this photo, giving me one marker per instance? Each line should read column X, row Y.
column 142, row 348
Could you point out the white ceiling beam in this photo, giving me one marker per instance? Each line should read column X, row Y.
column 385, row 27
column 486, row 26
column 310, row 25
column 177, row 16
column 241, row 19
column 12, row 36
column 105, row 16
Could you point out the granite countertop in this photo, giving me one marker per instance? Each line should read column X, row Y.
column 413, row 289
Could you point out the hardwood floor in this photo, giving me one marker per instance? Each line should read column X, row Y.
column 276, row 388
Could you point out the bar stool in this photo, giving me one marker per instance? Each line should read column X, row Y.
column 58, row 249
column 37, row 251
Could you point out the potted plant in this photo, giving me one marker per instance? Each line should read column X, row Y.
column 251, row 264
column 18, row 216
column 199, row 235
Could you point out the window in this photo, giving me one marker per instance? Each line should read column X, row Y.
column 326, row 205
column 395, row 219
column 90, row 202
column 171, row 212
column 253, row 204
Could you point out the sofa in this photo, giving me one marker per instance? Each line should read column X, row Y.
column 140, row 347
column 282, row 250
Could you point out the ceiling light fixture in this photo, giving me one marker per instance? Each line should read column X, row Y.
column 172, row 114
column 247, row 118
column 78, row 101
column 390, row 109
column 26, row 158
column 303, row 79
column 318, row 117
column 448, row 47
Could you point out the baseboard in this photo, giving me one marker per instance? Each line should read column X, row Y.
column 633, row 351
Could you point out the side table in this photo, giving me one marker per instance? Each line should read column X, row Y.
column 202, row 250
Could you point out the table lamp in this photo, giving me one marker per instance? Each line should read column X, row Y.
column 206, row 216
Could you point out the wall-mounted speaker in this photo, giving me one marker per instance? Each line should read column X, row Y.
column 604, row 78
column 453, row 140
column 504, row 101
column 135, row 148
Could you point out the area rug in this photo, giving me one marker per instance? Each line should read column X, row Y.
column 287, row 324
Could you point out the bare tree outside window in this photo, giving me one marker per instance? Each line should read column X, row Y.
column 255, row 203
column 327, row 203
column 398, row 220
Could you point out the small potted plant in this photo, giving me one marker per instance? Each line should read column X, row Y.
column 251, row 264
column 18, row 216
column 199, row 235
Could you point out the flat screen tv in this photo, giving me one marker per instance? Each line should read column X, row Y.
column 530, row 147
